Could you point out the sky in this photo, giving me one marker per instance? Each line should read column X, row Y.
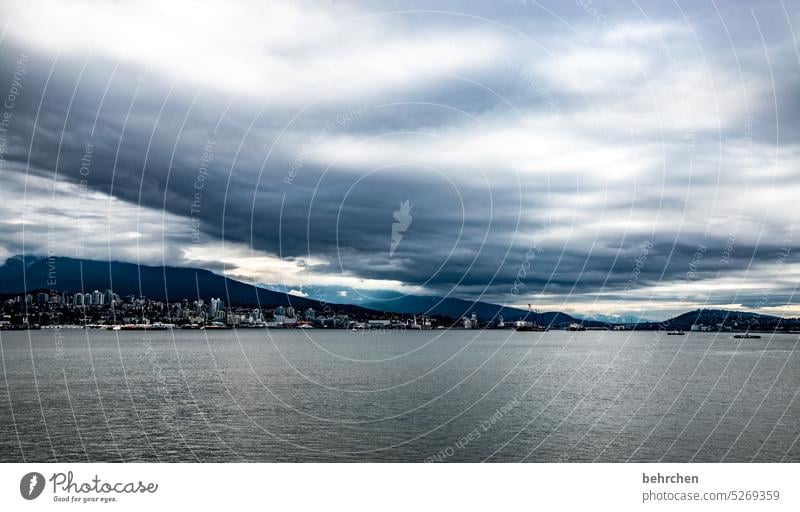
column 593, row 157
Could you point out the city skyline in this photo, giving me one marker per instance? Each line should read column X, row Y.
column 107, row 309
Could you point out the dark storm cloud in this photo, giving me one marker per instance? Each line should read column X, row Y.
column 589, row 137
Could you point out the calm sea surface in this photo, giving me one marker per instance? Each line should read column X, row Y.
column 253, row 395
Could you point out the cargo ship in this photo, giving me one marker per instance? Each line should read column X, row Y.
column 524, row 326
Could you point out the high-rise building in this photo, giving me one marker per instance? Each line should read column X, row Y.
column 217, row 308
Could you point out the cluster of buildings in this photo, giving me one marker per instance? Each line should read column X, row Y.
column 471, row 322
column 95, row 298
column 107, row 309
column 99, row 308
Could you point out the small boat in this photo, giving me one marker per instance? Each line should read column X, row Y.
column 576, row 327
column 746, row 336
column 675, row 333
column 215, row 326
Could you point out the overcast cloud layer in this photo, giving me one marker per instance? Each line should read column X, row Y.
column 609, row 157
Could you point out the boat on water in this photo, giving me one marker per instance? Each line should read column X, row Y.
column 747, row 336
column 675, row 333
column 139, row 327
column 574, row 326
column 215, row 326
column 524, row 326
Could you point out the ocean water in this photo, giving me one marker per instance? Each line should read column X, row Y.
column 325, row 395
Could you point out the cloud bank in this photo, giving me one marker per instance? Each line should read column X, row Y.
column 588, row 157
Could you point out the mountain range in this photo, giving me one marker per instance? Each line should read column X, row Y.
column 28, row 273
column 456, row 308
column 72, row 275
column 722, row 317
